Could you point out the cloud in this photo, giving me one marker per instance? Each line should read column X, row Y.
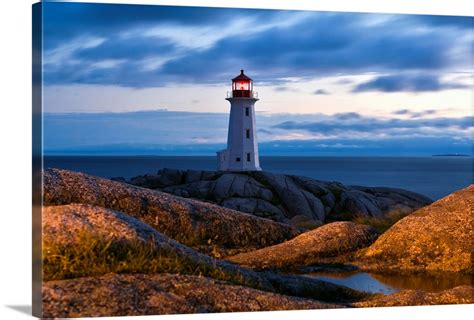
column 415, row 114
column 66, row 50
column 64, row 21
column 344, row 81
column 285, row 89
column 404, row 146
column 159, row 45
column 449, row 21
column 321, row 92
column 265, row 131
column 347, row 116
column 355, row 125
column 407, row 83
column 351, row 47
column 161, row 132
column 194, row 37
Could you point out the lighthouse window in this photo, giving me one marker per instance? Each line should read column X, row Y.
column 247, row 111
column 237, row 159
column 247, row 133
column 248, row 157
column 243, row 86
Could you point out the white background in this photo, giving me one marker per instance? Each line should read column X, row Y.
column 15, row 160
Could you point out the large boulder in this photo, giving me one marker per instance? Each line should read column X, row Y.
column 439, row 237
column 189, row 221
column 296, row 200
column 354, row 202
column 317, row 246
column 230, row 190
column 231, row 185
column 281, row 197
column 394, row 199
column 457, row 295
column 142, row 294
column 257, row 207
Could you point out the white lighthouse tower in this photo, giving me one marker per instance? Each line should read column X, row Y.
column 242, row 149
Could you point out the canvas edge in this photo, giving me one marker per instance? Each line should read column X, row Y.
column 37, row 158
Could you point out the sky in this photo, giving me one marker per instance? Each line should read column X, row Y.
column 130, row 79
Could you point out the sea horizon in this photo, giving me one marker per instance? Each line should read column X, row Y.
column 432, row 176
column 261, row 156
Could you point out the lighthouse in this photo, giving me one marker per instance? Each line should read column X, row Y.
column 242, row 149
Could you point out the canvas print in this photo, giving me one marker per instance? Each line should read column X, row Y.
column 202, row 160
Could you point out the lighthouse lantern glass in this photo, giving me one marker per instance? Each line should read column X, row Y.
column 242, row 85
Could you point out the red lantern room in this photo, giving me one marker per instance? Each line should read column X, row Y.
column 242, row 86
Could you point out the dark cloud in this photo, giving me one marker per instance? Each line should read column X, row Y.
column 343, row 124
column 402, row 112
column 347, row 116
column 414, row 114
column 443, row 21
column 407, row 83
column 321, row 92
column 285, row 89
column 303, row 49
column 64, row 21
column 349, row 47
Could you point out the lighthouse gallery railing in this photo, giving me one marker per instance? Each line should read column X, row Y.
column 242, row 94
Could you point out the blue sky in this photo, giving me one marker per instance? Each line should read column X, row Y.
column 138, row 79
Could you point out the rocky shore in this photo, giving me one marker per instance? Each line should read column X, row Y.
column 184, row 242
column 282, row 198
column 191, row 222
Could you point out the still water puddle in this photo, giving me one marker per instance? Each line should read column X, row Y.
column 391, row 283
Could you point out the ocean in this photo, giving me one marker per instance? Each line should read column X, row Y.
column 434, row 177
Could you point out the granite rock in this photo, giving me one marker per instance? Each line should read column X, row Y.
column 157, row 294
column 281, row 197
column 438, row 237
column 457, row 295
column 189, row 221
column 320, row 245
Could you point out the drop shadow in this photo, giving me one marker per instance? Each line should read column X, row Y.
column 25, row 309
